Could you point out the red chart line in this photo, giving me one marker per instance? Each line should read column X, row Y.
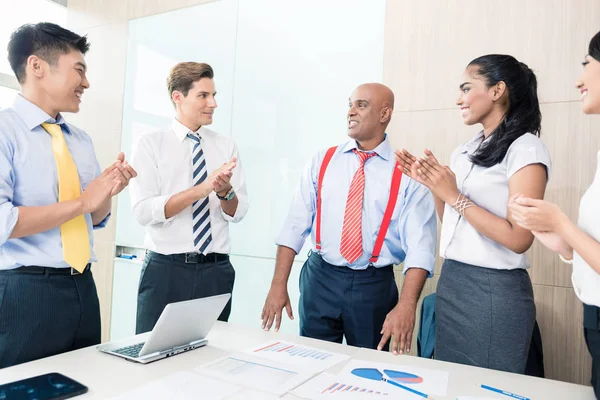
column 267, row 347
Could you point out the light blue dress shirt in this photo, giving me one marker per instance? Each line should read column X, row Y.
column 28, row 178
column 411, row 236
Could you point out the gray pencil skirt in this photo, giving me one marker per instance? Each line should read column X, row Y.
column 484, row 316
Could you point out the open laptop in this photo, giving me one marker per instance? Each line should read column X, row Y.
column 182, row 326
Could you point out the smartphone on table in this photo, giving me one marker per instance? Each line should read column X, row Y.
column 52, row 386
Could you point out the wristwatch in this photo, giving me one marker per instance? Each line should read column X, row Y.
column 228, row 196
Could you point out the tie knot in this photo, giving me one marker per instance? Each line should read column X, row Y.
column 195, row 138
column 362, row 156
column 53, row 129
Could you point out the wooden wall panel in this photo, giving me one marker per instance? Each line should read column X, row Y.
column 91, row 13
column 103, row 276
column 428, row 44
column 560, row 316
column 142, row 8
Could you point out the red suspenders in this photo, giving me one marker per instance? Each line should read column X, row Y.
column 326, row 160
column 387, row 216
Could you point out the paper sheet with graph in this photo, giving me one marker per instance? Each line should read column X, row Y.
column 256, row 373
column 313, row 359
column 365, row 373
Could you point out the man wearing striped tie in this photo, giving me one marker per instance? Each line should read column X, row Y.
column 52, row 194
column 364, row 217
column 191, row 186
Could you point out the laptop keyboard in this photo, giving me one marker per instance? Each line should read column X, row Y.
column 131, row 351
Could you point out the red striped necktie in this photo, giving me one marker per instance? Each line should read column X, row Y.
column 351, row 243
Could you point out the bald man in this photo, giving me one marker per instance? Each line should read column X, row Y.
column 347, row 285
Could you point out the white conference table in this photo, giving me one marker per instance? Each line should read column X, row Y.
column 107, row 376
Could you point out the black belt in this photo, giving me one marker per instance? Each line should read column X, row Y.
column 31, row 269
column 368, row 269
column 194, row 258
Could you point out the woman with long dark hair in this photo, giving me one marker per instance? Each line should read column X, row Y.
column 577, row 244
column 485, row 311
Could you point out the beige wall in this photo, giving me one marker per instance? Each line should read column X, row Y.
column 427, row 45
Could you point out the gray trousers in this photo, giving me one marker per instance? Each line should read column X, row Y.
column 169, row 278
column 484, row 317
column 44, row 312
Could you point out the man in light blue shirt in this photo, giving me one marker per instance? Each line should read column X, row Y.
column 344, row 294
column 47, row 306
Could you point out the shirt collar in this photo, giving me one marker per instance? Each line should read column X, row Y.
column 33, row 116
column 181, row 130
column 384, row 150
column 472, row 145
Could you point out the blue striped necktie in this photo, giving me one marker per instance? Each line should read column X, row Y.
column 200, row 209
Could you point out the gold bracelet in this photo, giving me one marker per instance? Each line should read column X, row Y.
column 566, row 261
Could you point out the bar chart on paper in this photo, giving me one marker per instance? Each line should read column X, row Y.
column 290, row 353
column 330, row 386
column 339, row 388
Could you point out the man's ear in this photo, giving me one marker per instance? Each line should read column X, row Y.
column 35, row 66
column 386, row 114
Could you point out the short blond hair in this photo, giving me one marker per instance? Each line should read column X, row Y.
column 183, row 75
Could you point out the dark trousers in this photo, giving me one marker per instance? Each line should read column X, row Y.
column 168, row 279
column 44, row 312
column 337, row 301
column 591, row 331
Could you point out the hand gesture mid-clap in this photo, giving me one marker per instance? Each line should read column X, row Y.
column 428, row 171
column 109, row 183
column 221, row 177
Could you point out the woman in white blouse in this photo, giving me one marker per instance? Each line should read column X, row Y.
column 577, row 244
column 485, row 311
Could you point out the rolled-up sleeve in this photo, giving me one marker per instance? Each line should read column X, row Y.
column 146, row 201
column 238, row 182
column 9, row 214
column 301, row 214
column 104, row 222
column 418, row 228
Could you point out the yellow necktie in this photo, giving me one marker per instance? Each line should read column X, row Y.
column 74, row 233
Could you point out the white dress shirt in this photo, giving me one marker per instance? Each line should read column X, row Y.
column 487, row 188
column 586, row 281
column 164, row 166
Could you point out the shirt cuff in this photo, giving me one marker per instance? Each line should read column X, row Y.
column 9, row 215
column 102, row 223
column 237, row 217
column 158, row 209
column 420, row 259
column 291, row 239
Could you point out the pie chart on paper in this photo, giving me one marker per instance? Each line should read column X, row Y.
column 405, row 378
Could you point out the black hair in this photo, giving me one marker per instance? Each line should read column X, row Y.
column 45, row 40
column 594, row 49
column 523, row 113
